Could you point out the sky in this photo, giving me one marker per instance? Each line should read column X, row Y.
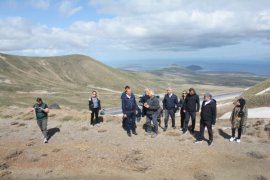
column 126, row 30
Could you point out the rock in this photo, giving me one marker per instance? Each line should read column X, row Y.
column 54, row 106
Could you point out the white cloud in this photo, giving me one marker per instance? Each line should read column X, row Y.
column 68, row 8
column 159, row 25
column 40, row 4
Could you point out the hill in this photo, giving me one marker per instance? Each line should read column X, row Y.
column 68, row 80
column 258, row 95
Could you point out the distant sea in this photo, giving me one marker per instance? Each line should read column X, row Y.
column 259, row 67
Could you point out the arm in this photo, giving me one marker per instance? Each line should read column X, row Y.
column 163, row 102
column 99, row 104
column 214, row 114
column 123, row 106
column 198, row 103
column 176, row 102
column 180, row 103
column 89, row 104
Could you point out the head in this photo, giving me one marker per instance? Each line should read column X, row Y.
column 94, row 93
column 146, row 91
column 126, row 88
column 151, row 93
column 184, row 93
column 192, row 91
column 169, row 90
column 39, row 100
column 241, row 102
column 207, row 97
column 129, row 91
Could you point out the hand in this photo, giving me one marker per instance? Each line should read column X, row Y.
column 124, row 115
column 184, row 111
column 146, row 105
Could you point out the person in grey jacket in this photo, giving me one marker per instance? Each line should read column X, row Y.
column 152, row 106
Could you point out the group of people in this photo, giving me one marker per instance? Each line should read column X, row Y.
column 189, row 105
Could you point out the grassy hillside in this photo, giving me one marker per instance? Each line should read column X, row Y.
column 261, row 99
column 68, row 80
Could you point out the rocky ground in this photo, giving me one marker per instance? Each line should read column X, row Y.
column 76, row 151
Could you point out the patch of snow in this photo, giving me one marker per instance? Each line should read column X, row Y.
column 262, row 112
column 262, row 92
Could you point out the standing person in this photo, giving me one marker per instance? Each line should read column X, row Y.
column 170, row 105
column 124, row 119
column 182, row 113
column 41, row 110
column 143, row 100
column 208, row 118
column 152, row 106
column 94, row 108
column 129, row 108
column 191, row 106
column 239, row 119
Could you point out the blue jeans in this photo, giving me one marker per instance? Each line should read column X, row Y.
column 131, row 117
column 153, row 118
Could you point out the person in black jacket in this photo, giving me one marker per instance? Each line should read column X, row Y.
column 208, row 118
column 182, row 113
column 170, row 105
column 129, row 108
column 191, row 106
column 152, row 106
column 94, row 108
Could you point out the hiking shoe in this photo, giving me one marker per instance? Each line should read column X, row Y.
column 232, row 139
column 135, row 133
column 210, row 143
column 91, row 125
column 129, row 134
column 165, row 129
column 45, row 140
column 174, row 127
column 184, row 131
column 154, row 135
column 147, row 134
column 97, row 125
column 198, row 142
column 238, row 140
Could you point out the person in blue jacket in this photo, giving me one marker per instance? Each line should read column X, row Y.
column 129, row 109
column 170, row 106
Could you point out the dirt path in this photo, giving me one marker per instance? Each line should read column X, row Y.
column 76, row 151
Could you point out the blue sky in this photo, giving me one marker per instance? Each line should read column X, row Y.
column 111, row 30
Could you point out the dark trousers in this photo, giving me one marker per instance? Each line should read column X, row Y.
column 172, row 115
column 182, row 120
column 193, row 119
column 130, row 123
column 42, row 124
column 209, row 129
column 153, row 118
column 239, row 132
column 94, row 115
